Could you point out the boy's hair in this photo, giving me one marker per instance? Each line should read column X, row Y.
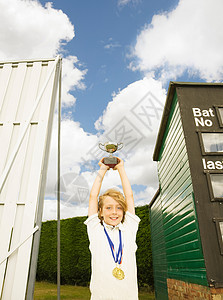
column 117, row 196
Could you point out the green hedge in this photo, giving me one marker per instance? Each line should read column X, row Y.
column 75, row 254
column 144, row 251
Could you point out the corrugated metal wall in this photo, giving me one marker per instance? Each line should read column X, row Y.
column 24, row 144
column 182, row 239
column 158, row 250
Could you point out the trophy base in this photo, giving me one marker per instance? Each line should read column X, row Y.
column 110, row 161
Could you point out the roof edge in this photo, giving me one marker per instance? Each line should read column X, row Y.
column 166, row 111
column 26, row 60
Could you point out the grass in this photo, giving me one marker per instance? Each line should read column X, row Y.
column 48, row 291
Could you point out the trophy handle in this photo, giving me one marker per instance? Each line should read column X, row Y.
column 120, row 146
column 100, row 144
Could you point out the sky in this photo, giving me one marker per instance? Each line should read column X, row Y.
column 118, row 59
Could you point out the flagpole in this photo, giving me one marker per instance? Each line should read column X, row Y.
column 58, row 191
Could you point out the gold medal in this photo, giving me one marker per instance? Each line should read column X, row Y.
column 118, row 273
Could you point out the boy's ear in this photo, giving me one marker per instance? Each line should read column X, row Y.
column 100, row 211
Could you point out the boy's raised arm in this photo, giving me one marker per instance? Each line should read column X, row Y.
column 93, row 199
column 127, row 189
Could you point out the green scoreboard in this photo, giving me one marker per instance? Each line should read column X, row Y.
column 187, row 211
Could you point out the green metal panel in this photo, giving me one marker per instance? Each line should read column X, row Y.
column 158, row 251
column 184, row 255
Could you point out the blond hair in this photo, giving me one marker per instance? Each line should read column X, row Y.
column 117, row 196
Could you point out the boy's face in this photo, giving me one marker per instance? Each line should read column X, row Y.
column 112, row 211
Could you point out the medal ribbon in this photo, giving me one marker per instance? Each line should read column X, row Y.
column 118, row 256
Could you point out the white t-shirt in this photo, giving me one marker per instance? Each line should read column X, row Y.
column 104, row 286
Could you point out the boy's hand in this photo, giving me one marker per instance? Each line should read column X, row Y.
column 120, row 164
column 102, row 165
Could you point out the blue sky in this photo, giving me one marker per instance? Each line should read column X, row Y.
column 104, row 35
column 118, row 59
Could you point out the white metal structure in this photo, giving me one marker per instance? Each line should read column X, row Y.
column 28, row 92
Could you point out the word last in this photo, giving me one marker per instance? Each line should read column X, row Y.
column 212, row 165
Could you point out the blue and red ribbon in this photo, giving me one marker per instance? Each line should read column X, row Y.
column 117, row 256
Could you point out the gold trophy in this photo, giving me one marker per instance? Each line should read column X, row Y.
column 110, row 147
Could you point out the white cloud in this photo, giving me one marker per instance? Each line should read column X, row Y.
column 133, row 117
column 189, row 38
column 29, row 30
column 72, row 79
column 74, row 143
column 123, row 105
column 122, row 3
column 50, row 210
column 112, row 45
column 145, row 196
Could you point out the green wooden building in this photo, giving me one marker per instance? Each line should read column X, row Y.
column 187, row 211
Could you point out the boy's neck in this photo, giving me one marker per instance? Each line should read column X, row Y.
column 112, row 226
